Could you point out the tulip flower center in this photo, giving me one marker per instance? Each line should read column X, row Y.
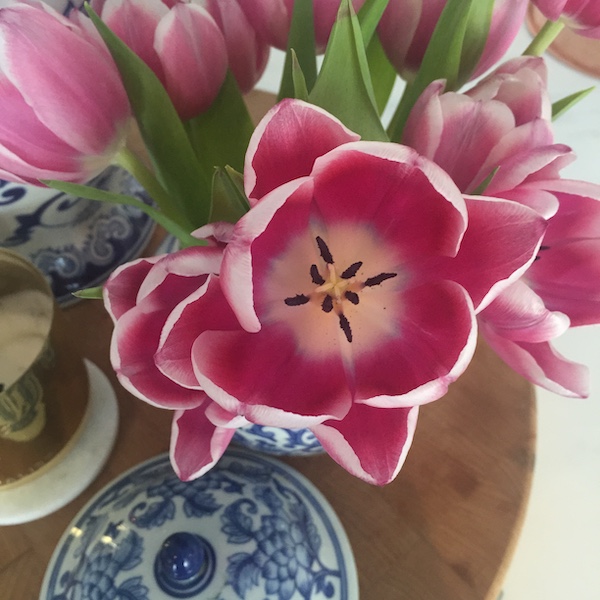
column 336, row 287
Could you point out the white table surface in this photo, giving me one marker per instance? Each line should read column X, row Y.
column 558, row 554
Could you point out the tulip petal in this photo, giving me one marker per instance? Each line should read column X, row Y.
column 121, row 290
column 132, row 21
column 133, row 345
column 286, row 143
column 377, row 458
column 140, row 297
column 202, row 310
column 34, row 47
column 426, row 348
column 520, row 315
column 387, row 186
column 567, row 276
column 301, row 392
column 541, row 364
column 193, row 55
column 501, row 242
column 196, row 444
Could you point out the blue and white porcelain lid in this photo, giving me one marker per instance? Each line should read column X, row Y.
column 252, row 528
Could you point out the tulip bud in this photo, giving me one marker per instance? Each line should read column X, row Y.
column 180, row 42
column 272, row 19
column 406, row 29
column 583, row 16
column 247, row 52
column 64, row 110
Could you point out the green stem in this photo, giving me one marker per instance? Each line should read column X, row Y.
column 546, row 35
column 131, row 163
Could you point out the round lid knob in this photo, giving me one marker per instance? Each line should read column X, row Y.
column 184, row 565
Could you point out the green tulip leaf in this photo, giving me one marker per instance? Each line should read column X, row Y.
column 301, row 40
column 91, row 193
column 369, row 16
column 220, row 135
column 300, row 88
column 343, row 86
column 383, row 73
column 562, row 106
column 93, row 293
column 229, row 202
column 457, row 41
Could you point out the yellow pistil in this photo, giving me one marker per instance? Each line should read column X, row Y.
column 335, row 286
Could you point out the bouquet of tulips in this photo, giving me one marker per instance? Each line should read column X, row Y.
column 334, row 270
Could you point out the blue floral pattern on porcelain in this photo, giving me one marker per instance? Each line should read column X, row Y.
column 75, row 242
column 278, row 441
column 269, row 534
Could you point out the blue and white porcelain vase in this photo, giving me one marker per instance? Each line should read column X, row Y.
column 75, row 242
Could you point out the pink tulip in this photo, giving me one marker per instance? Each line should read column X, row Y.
column 272, row 19
column 181, row 43
column 502, row 123
column 583, row 16
column 519, row 329
column 140, row 297
column 406, row 28
column 247, row 52
column 64, row 110
column 354, row 281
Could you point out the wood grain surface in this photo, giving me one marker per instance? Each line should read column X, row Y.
column 445, row 529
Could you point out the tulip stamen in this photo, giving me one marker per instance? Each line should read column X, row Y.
column 316, row 277
column 297, row 300
column 371, row 281
column 352, row 270
column 352, row 297
column 324, row 250
column 345, row 326
column 333, row 289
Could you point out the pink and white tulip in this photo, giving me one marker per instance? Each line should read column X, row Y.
column 179, row 41
column 582, row 16
column 354, row 281
column 345, row 298
column 272, row 19
column 140, row 297
column 406, row 29
column 247, row 52
column 61, row 118
column 503, row 123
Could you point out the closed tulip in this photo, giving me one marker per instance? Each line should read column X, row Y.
column 272, row 18
column 583, row 16
column 406, row 28
column 246, row 50
column 64, row 110
column 180, row 42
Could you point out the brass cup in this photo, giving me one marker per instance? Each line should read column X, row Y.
column 43, row 380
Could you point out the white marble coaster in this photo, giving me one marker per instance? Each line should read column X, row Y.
column 64, row 478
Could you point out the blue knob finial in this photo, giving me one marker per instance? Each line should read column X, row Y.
column 184, row 565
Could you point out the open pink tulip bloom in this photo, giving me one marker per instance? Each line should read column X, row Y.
column 64, row 110
column 346, row 297
column 583, row 16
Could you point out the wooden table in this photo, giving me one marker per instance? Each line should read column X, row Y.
column 445, row 529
